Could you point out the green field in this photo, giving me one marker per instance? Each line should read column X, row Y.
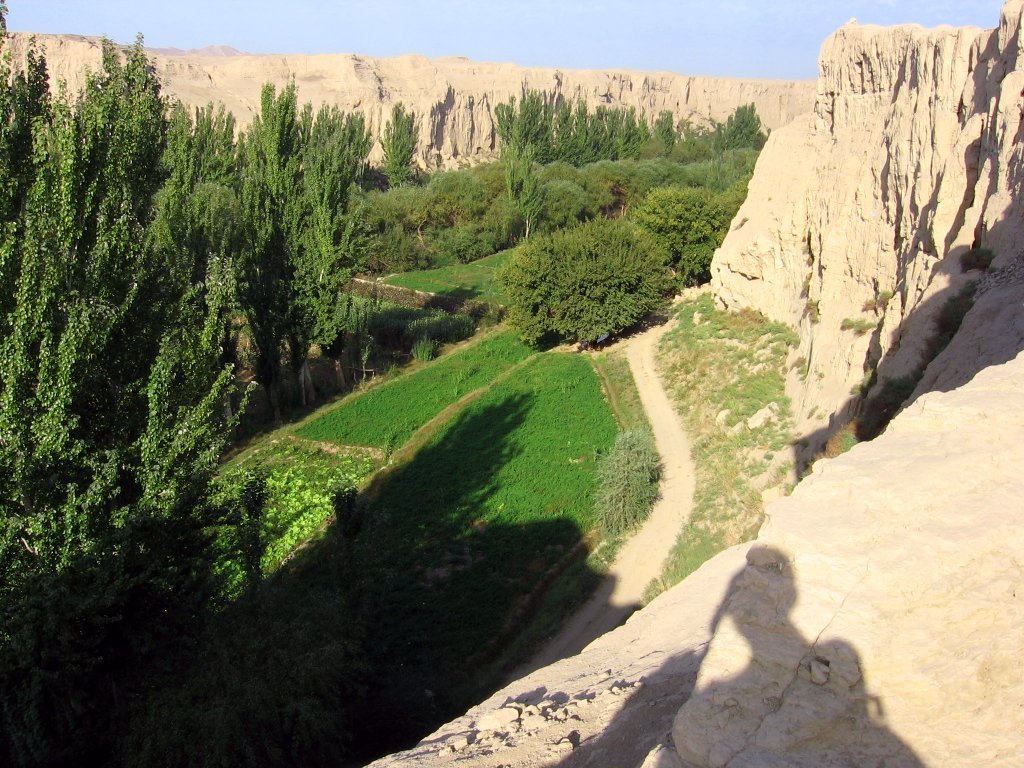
column 464, row 281
column 457, row 537
column 387, row 415
column 301, row 480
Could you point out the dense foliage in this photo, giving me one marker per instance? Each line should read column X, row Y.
column 577, row 284
column 690, row 223
column 157, row 608
column 399, row 144
column 111, row 417
column 553, row 129
column 131, row 235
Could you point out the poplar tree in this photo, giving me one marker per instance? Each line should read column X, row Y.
column 270, row 155
column 110, row 417
column 399, row 143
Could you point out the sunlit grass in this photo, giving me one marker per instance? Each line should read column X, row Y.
column 475, row 280
column 722, row 368
column 386, row 416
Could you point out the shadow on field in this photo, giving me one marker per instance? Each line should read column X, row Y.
column 446, row 583
column 395, row 619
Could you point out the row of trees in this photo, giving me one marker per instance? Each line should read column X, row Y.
column 134, row 240
column 551, row 128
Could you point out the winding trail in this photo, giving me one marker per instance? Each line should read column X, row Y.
column 640, row 559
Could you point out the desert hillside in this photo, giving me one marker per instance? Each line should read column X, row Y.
column 453, row 98
column 877, row 618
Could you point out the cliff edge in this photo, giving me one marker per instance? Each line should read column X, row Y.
column 453, row 98
column 863, row 216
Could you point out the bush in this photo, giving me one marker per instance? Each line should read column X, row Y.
column 424, row 350
column 977, row 258
column 689, row 223
column 599, row 277
column 858, row 325
column 628, row 477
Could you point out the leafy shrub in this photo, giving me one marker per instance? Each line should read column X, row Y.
column 689, row 223
column 842, row 441
column 859, row 326
column 977, row 258
column 628, row 477
column 879, row 303
column 599, row 277
column 424, row 350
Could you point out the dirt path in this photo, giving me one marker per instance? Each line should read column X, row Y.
column 640, row 559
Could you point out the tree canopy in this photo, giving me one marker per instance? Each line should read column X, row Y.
column 689, row 223
column 399, row 143
column 599, row 277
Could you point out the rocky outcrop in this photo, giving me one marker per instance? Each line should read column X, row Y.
column 454, row 98
column 859, row 213
column 879, row 618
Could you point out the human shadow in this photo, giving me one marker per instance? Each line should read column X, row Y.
column 799, row 701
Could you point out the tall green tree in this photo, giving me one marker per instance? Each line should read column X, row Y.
column 528, row 125
column 110, row 421
column 741, row 130
column 330, row 237
column 665, row 130
column 270, row 159
column 522, row 184
column 399, row 143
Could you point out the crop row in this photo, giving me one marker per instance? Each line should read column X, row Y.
column 499, row 496
column 387, row 415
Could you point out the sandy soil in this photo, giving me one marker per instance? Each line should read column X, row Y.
column 640, row 559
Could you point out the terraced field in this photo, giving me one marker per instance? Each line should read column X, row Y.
column 387, row 415
column 475, row 280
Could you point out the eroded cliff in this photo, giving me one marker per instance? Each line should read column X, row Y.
column 877, row 619
column 454, row 98
column 860, row 214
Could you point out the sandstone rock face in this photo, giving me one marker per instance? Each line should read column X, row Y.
column 454, row 98
column 858, row 213
column 879, row 618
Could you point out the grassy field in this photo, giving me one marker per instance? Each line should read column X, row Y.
column 465, row 281
column 721, row 368
column 301, row 481
column 385, row 416
column 457, row 538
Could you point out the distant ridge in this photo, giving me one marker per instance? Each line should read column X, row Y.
column 453, row 97
column 210, row 50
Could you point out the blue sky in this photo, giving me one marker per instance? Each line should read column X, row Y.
column 749, row 38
